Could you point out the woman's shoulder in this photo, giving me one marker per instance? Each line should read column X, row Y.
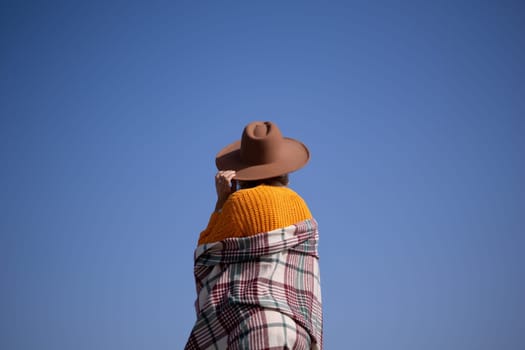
column 264, row 191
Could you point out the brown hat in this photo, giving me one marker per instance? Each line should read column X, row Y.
column 262, row 153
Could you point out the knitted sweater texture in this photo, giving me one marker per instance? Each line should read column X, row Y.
column 251, row 211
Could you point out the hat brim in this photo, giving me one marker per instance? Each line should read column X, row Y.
column 293, row 156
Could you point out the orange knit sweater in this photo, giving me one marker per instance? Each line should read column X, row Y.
column 255, row 210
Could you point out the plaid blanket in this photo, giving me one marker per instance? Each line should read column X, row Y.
column 259, row 292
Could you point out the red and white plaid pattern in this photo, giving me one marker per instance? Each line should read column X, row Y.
column 259, row 292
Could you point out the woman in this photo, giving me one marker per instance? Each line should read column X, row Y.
column 256, row 265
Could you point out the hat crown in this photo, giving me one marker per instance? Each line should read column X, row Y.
column 260, row 143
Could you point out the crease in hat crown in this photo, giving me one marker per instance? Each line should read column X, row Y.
column 260, row 143
column 262, row 152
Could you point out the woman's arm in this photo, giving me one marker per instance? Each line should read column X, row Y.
column 220, row 222
column 223, row 187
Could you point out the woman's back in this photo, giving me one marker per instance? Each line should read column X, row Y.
column 254, row 210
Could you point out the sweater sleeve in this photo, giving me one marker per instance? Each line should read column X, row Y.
column 223, row 224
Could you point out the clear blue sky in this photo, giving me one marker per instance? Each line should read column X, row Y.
column 112, row 113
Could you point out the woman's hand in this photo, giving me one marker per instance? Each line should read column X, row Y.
column 223, row 186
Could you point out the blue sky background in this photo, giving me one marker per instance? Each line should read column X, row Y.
column 111, row 114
